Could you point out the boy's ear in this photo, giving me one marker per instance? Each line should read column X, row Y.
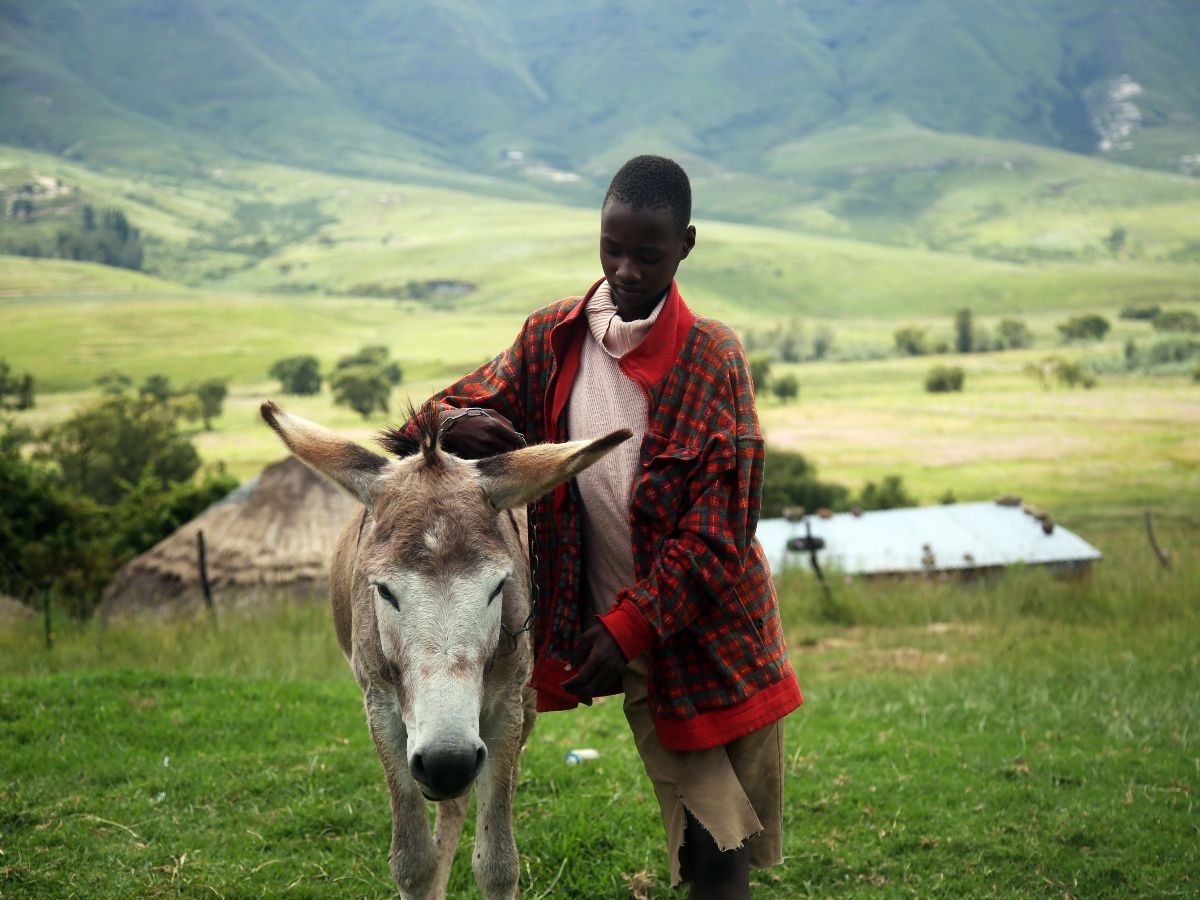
column 353, row 468
column 518, row 478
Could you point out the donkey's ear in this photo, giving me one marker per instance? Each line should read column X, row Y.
column 345, row 463
column 520, row 477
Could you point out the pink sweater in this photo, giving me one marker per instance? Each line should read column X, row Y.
column 603, row 399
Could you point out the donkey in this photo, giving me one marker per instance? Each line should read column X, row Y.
column 442, row 666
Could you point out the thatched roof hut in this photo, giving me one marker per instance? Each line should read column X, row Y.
column 14, row 610
column 272, row 536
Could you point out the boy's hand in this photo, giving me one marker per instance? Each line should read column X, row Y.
column 597, row 664
column 476, row 433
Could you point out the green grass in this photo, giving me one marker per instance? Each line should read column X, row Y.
column 1024, row 736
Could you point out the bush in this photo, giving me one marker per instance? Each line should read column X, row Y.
column 1055, row 369
column 16, row 391
column 888, row 494
column 910, row 340
column 944, row 379
column 1142, row 311
column 1013, row 334
column 1089, row 327
column 299, row 375
column 789, row 479
column 786, row 387
column 760, row 371
column 1181, row 320
column 68, row 524
column 1172, row 350
column 106, row 447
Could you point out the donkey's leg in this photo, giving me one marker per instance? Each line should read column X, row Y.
column 447, row 829
column 495, row 861
column 412, row 857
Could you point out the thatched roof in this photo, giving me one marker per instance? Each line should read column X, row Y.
column 272, row 536
column 14, row 610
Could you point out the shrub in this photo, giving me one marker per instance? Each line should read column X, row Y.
column 1142, row 311
column 16, row 391
column 1172, row 350
column 1013, row 334
column 910, row 340
column 760, row 371
column 1088, row 327
column 888, row 494
column 944, row 379
column 1061, row 371
column 964, row 331
column 1181, row 320
column 786, row 387
column 789, row 479
column 106, row 447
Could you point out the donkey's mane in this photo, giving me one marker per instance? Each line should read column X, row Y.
column 420, row 434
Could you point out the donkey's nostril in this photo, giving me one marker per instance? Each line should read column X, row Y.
column 444, row 772
column 417, row 767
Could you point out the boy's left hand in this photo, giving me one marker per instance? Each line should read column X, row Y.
column 597, row 664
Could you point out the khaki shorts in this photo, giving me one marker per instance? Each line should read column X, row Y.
column 734, row 791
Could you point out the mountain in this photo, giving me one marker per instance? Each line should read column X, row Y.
column 545, row 92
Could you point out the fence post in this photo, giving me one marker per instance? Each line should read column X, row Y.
column 204, row 585
column 46, row 616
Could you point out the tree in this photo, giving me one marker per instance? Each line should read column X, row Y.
column 823, row 342
column 964, row 331
column 211, row 394
column 374, row 355
column 1013, row 334
column 16, row 391
column 944, row 379
column 106, row 447
column 113, row 382
column 910, row 340
column 1116, row 240
column 888, row 494
column 760, row 371
column 362, row 388
column 299, row 375
column 789, row 479
column 786, row 387
column 1087, row 327
column 156, row 387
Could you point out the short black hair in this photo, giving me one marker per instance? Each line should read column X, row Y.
column 653, row 182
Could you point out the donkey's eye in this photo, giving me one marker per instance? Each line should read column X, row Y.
column 387, row 595
column 496, row 592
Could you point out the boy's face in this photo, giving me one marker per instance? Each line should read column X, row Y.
column 640, row 250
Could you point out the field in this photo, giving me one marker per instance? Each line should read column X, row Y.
column 1024, row 735
column 1029, row 736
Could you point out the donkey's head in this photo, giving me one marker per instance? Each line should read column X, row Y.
column 432, row 570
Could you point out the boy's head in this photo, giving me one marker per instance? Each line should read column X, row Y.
column 645, row 232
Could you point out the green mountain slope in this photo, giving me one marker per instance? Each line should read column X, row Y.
column 354, row 88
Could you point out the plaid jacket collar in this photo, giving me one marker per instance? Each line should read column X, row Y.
column 648, row 363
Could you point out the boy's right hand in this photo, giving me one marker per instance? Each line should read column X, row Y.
column 476, row 433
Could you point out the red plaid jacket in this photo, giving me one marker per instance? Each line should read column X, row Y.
column 703, row 605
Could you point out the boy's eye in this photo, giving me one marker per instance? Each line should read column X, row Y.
column 649, row 260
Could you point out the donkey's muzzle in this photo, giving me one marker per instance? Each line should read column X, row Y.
column 447, row 773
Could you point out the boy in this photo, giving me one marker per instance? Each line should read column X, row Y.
column 649, row 577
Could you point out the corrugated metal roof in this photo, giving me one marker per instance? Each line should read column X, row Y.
column 927, row 538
